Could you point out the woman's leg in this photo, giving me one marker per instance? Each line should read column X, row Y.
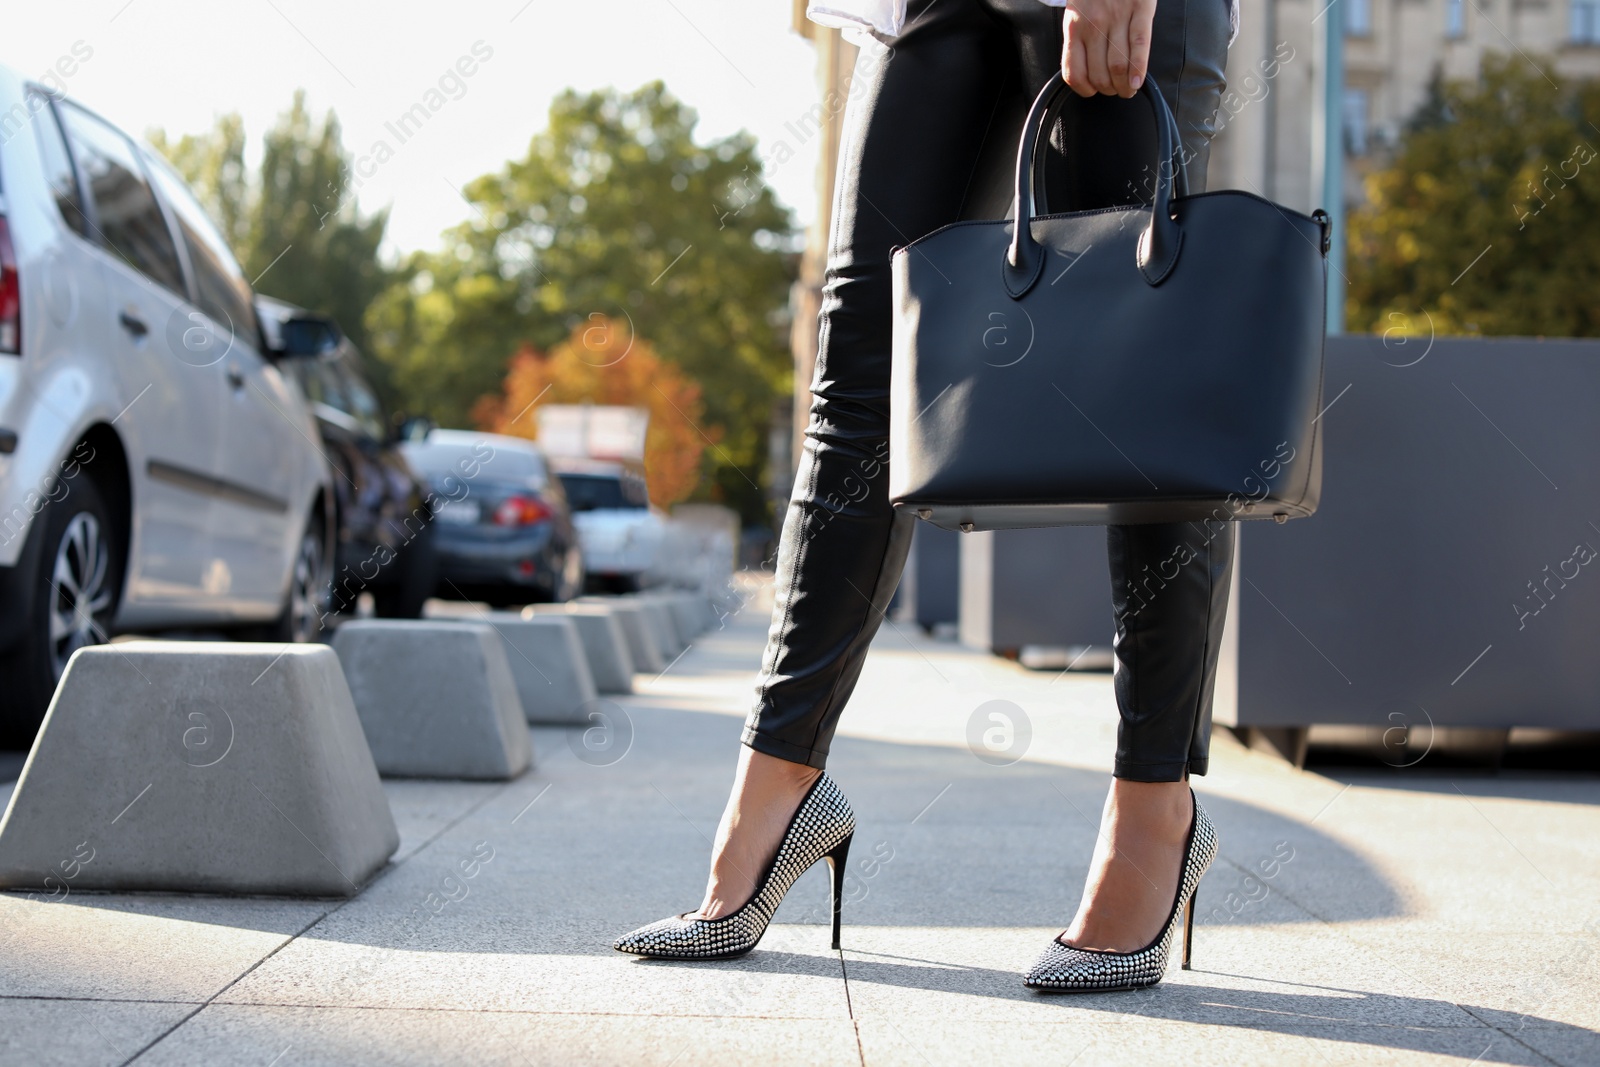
column 1169, row 581
column 1170, row 597
column 912, row 133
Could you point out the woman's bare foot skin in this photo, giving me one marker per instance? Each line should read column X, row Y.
column 767, row 791
column 1133, row 876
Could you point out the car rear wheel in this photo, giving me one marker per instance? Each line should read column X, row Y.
column 572, row 576
column 76, row 590
column 310, row 584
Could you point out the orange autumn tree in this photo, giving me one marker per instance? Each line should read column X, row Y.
column 602, row 362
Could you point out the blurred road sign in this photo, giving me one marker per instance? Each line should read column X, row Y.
column 592, row 430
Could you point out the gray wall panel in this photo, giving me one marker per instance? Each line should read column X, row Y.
column 1036, row 587
column 1051, row 587
column 1449, row 485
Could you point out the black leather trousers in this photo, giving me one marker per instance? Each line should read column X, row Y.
column 930, row 138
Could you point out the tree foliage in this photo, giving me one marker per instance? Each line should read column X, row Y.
column 602, row 363
column 1488, row 219
column 617, row 211
column 294, row 223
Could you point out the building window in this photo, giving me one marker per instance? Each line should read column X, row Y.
column 1355, row 122
column 1455, row 18
column 1584, row 22
column 1357, row 18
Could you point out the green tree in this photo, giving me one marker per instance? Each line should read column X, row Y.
column 294, row 224
column 615, row 211
column 1488, row 219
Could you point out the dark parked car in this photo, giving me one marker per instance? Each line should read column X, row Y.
column 503, row 529
column 384, row 534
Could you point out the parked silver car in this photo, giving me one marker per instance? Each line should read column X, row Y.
column 156, row 470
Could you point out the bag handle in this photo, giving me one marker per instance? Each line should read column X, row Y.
column 1158, row 244
column 1041, row 161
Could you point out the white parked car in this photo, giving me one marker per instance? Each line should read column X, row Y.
column 156, row 470
column 624, row 539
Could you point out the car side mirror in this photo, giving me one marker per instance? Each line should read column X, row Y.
column 309, row 336
column 405, row 427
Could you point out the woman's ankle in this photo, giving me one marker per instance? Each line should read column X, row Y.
column 766, row 793
column 1159, row 810
column 764, row 768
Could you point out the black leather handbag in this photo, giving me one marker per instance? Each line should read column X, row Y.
column 1146, row 363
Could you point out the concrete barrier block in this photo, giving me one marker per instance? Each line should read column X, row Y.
column 639, row 631
column 604, row 642
column 689, row 612
column 198, row 767
column 437, row 699
column 670, row 641
column 549, row 664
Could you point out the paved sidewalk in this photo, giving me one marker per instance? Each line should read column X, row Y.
column 1403, row 917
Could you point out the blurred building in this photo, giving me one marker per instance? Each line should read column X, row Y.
column 1392, row 49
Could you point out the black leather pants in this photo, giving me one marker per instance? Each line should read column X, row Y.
column 931, row 138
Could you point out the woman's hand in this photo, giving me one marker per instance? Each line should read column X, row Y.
column 1107, row 46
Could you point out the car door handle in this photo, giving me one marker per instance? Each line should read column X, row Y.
column 133, row 324
column 236, row 378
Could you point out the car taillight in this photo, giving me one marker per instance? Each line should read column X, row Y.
column 10, row 295
column 520, row 511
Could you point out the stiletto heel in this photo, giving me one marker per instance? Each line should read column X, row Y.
column 1188, row 926
column 821, row 829
column 836, row 865
column 1064, row 969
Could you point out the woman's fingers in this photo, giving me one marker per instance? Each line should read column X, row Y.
column 1092, row 26
column 1140, row 21
column 1117, row 57
column 1075, row 59
column 1106, row 46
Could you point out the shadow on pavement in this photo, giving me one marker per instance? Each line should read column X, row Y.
column 1322, row 1011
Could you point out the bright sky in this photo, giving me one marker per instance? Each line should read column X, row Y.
column 177, row 64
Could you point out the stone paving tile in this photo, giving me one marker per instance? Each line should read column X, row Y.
column 1517, row 980
column 82, row 1033
column 336, row 1037
column 1563, row 1045
column 1431, row 862
column 423, row 808
column 1139, row 1042
column 140, row 947
column 512, row 965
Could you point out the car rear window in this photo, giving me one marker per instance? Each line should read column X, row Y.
column 592, row 492
column 129, row 218
column 478, row 460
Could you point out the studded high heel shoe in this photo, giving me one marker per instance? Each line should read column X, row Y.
column 1064, row 969
column 821, row 829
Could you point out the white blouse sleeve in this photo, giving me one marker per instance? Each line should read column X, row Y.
column 887, row 17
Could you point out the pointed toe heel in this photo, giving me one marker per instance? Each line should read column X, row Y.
column 821, row 829
column 1064, row 969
